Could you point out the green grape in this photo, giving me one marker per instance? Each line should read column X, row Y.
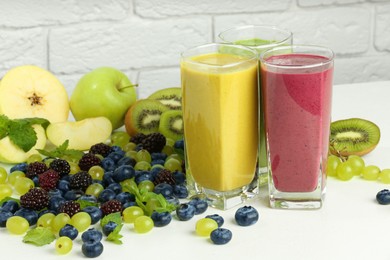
column 5, row 190
column 96, row 172
column 142, row 166
column 3, row 175
column 357, row 164
column 23, row 184
column 170, row 142
column 205, row 226
column 131, row 213
column 146, row 185
column 94, row 189
column 384, row 176
column 131, row 154
column 13, row 176
column 71, row 158
column 74, row 168
column 168, row 150
column 48, row 161
column 143, row 224
column 59, row 222
column 81, row 221
column 157, row 166
column 34, row 158
column 45, row 220
column 175, row 156
column 344, row 171
column 143, row 156
column 64, row 245
column 120, row 138
column 370, row 172
column 129, row 147
column 172, row 165
column 333, row 162
column 17, row 225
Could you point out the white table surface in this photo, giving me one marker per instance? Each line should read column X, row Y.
column 350, row 225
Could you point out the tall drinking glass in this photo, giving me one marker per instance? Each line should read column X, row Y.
column 219, row 85
column 259, row 38
column 296, row 83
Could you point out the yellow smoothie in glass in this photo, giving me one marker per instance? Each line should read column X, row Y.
column 220, row 112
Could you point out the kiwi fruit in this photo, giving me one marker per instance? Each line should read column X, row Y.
column 169, row 97
column 171, row 124
column 144, row 117
column 354, row 136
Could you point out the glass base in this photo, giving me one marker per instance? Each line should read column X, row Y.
column 262, row 176
column 297, row 200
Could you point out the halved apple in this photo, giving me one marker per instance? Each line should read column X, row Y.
column 30, row 91
column 10, row 153
column 80, row 134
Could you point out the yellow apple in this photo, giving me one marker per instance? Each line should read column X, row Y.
column 80, row 134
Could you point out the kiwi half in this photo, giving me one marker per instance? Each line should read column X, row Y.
column 171, row 124
column 354, row 136
column 169, row 97
column 144, row 117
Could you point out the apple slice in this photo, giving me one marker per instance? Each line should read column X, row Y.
column 80, row 134
column 10, row 153
column 30, row 91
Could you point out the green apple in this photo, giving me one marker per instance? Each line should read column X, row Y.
column 104, row 92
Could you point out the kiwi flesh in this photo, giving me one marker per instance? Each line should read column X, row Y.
column 354, row 136
column 171, row 124
column 169, row 97
column 144, row 117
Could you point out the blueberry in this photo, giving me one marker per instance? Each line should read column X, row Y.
column 42, row 212
column 116, row 187
column 145, row 176
column 106, row 195
column 94, row 212
column 117, row 149
column 161, row 219
column 179, row 177
column 55, row 192
column 221, row 236
column 158, row 156
column 73, row 194
column 55, row 202
column 30, row 215
column 127, row 161
column 158, row 161
column 173, row 200
column 109, row 227
column 217, row 219
column 4, row 216
column 179, row 144
column 138, row 147
column 19, row 167
column 35, row 179
column 123, row 172
column 69, row 231
column 164, row 189
column 154, row 171
column 383, row 197
column 199, row 204
column 115, row 156
column 125, row 197
column 180, row 191
column 185, row 211
column 108, row 178
column 92, row 250
column 92, row 235
column 246, row 216
column 10, row 205
column 89, row 198
column 63, row 186
column 108, row 164
column 129, row 204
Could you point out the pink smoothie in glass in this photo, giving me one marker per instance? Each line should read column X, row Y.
column 297, row 104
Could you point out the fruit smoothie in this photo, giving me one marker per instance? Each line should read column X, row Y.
column 220, row 120
column 297, row 119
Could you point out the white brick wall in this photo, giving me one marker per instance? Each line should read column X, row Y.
column 144, row 38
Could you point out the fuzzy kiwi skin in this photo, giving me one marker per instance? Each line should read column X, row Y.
column 349, row 125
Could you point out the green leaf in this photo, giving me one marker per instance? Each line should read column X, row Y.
column 4, row 126
column 62, row 151
column 114, row 236
column 35, row 121
column 39, row 236
column 114, row 217
column 85, row 203
column 22, row 135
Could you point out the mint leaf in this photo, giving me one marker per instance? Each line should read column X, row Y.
column 114, row 217
column 4, row 126
column 39, row 236
column 114, row 236
column 22, row 135
column 35, row 121
column 62, row 151
column 85, row 203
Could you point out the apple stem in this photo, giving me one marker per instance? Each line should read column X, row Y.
column 130, row 86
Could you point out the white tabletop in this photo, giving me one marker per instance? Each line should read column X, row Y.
column 351, row 224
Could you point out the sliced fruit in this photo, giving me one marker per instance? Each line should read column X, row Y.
column 170, row 97
column 80, row 134
column 30, row 91
column 353, row 136
column 171, row 124
column 10, row 153
column 144, row 116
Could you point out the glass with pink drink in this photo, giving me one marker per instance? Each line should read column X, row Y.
column 296, row 83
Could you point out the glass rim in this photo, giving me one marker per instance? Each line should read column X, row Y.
column 314, row 48
column 187, row 58
column 265, row 26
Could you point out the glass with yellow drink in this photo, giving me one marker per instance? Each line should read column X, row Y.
column 219, row 84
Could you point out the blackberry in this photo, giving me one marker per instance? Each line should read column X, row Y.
column 69, row 207
column 49, row 179
column 164, row 176
column 80, row 181
column 111, row 206
column 100, row 148
column 137, row 138
column 154, row 143
column 35, row 168
column 88, row 160
column 61, row 166
column 35, row 199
